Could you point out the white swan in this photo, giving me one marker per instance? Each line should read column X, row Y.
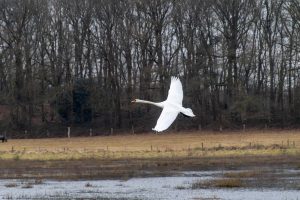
column 171, row 107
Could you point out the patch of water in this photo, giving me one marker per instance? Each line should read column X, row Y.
column 177, row 187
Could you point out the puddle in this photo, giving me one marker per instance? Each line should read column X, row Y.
column 175, row 187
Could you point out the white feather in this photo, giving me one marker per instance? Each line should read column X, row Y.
column 175, row 92
column 166, row 118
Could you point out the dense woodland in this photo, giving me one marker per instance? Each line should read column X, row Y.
column 79, row 63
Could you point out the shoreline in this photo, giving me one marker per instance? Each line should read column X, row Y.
column 100, row 169
column 126, row 156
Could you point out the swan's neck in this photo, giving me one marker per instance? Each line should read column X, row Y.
column 150, row 102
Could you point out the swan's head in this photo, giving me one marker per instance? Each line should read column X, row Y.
column 136, row 101
column 188, row 112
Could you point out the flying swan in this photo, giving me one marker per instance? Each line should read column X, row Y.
column 171, row 107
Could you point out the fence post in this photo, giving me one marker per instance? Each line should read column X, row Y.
column 69, row 131
column 91, row 132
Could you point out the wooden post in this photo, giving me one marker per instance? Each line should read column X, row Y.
column 91, row 132
column 132, row 129
column 111, row 131
column 221, row 129
column 69, row 131
column 199, row 127
column 288, row 143
column 244, row 127
column 202, row 146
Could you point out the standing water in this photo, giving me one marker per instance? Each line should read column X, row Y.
column 180, row 186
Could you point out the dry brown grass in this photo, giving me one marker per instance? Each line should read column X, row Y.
column 183, row 144
column 126, row 156
column 245, row 174
column 218, row 183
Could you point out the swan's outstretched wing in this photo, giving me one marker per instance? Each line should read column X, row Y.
column 166, row 118
column 175, row 92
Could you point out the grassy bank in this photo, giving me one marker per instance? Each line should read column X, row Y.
column 147, row 154
column 187, row 144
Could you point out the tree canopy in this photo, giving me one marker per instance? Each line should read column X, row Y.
column 81, row 62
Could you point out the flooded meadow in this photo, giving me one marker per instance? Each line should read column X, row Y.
column 263, row 183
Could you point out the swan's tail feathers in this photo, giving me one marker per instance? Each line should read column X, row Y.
column 187, row 116
column 188, row 112
column 192, row 114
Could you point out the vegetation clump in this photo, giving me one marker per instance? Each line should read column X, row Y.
column 244, row 174
column 218, row 183
column 11, row 185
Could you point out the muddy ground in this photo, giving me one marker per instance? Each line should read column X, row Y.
column 89, row 169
